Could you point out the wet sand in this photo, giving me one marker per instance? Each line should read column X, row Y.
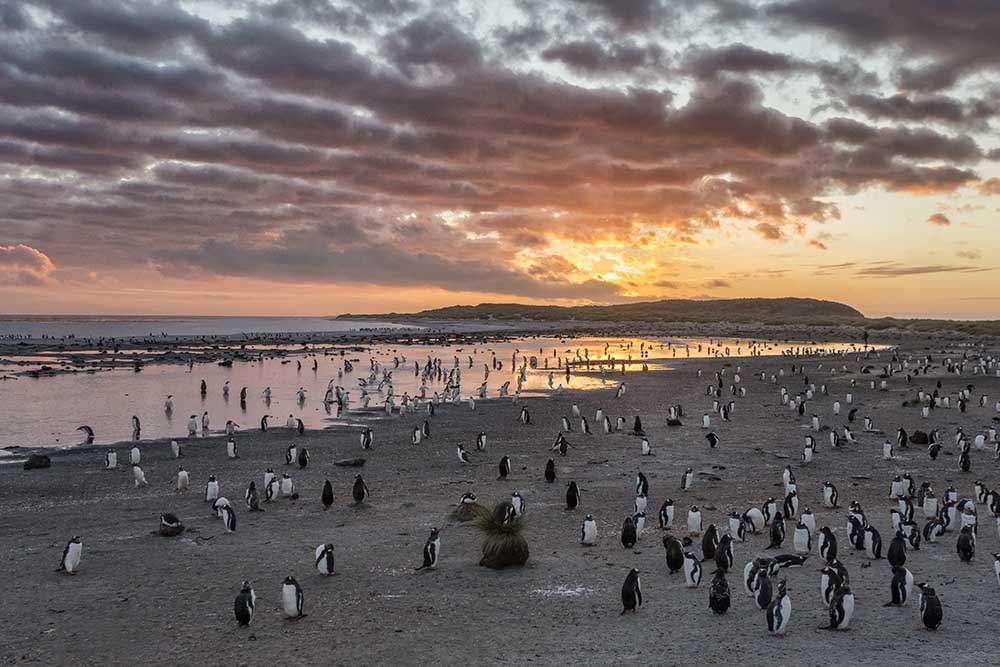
column 144, row 599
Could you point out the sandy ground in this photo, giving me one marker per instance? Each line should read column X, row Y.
column 144, row 599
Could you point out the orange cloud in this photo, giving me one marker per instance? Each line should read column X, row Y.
column 939, row 219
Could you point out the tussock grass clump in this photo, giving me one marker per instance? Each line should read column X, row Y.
column 503, row 537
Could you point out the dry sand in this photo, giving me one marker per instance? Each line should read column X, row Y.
column 144, row 599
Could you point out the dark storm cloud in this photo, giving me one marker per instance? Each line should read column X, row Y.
column 627, row 15
column 593, row 57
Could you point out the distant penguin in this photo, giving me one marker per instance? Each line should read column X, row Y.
column 88, row 431
column 244, row 605
column 724, row 554
column 841, row 609
column 641, row 484
column 211, row 489
column 644, row 446
column 694, row 522
column 303, row 457
column 550, row 470
column 288, row 487
column 628, row 536
column 325, row 560
column 135, row 456
column 802, row 539
column 251, row 498
column 231, row 451
column 777, row 532
column 966, row 544
column 719, row 597
column 504, row 467
column 291, row 454
column 584, row 426
column 713, row 439
column 779, row 612
column 228, row 518
column 827, row 544
column 263, row 423
column 292, row 598
column 517, row 502
column 674, row 553
column 481, row 441
column 687, row 479
column 930, row 607
column 175, row 449
column 327, row 496
column 830, row 495
column 588, row 531
column 360, row 490
column 572, row 496
column 183, row 481
column 525, row 416
column 72, row 553
column 631, row 592
column 692, row 570
column 110, row 460
column 432, row 549
column 901, row 586
column 873, row 543
column 366, row 439
column 138, row 476
column 896, row 553
column 666, row 514
column 737, row 527
column 709, row 542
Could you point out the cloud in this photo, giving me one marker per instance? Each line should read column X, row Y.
column 939, row 219
column 717, row 283
column 969, row 254
column 990, row 186
column 593, row 57
column 23, row 265
column 817, row 244
column 769, row 231
column 896, row 270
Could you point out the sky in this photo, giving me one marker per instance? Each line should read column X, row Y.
column 314, row 157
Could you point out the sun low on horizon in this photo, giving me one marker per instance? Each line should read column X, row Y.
column 283, row 157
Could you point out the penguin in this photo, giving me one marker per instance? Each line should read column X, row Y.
column 525, row 417
column 135, row 456
column 71, row 556
column 271, row 488
column 300, row 427
column 873, row 543
column 901, row 586
column 327, row 495
column 809, row 520
column 463, row 456
column 687, row 479
column 709, row 542
column 639, row 506
column 777, row 532
column 764, row 595
column 292, row 599
column 243, row 608
column 666, row 514
column 779, row 612
column 175, row 449
column 827, row 544
column 291, row 453
column 791, row 504
column 504, row 468
column 933, row 529
column 183, row 481
column 631, row 592
column 588, row 531
column 829, row 581
column 572, row 496
column 566, row 425
column 769, row 510
column 607, row 425
column 692, row 570
column 841, row 609
column 724, row 554
column 830, row 495
column 211, row 489
column 425, row 429
column 481, row 441
column 896, row 554
column 110, row 460
column 644, row 446
column 713, row 439
column 965, row 461
column 251, row 499
column 138, row 476
column 517, row 502
column 550, row 471
column 802, row 539
column 641, row 484
column 584, row 426
column 737, row 527
column 366, row 439
column 996, row 566
column 263, row 423
column 325, row 560
column 930, row 607
column 231, row 449
column 360, row 490
column 432, row 550
column 416, row 436
column 228, row 518
column 694, row 523
column 719, row 597
column 628, row 537
column 755, row 520
column 966, row 544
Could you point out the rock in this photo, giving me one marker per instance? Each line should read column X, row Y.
column 37, row 461
column 350, row 463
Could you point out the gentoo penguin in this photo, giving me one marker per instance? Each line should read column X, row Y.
column 779, row 612
column 841, row 609
column 933, row 529
column 807, row 452
column 291, row 453
column 517, row 502
column 706, row 421
column 737, row 527
column 432, row 549
column 246, row 599
column 694, row 524
column 525, row 417
column 175, row 449
column 606, row 422
column 584, row 426
column 830, row 495
column 692, row 570
column 425, row 429
column 966, row 544
column 71, row 556
column 550, row 470
column 481, row 441
column 228, row 518
column 930, row 607
column 674, row 553
column 644, row 446
column 809, row 520
column 709, row 542
column 366, row 439
column 263, row 423
column 588, row 532
column 713, row 439
column 901, row 587
column 211, row 489
column 996, row 566
column 110, row 460
column 827, row 544
column 288, row 487
column 769, row 509
column 271, row 486
column 300, row 427
column 639, row 506
column 327, row 495
column 719, row 598
column 416, row 436
column 724, row 554
column 631, row 592
column 463, row 456
column 566, row 425
column 873, row 543
column 896, row 553
column 325, row 560
column 754, row 519
column 251, row 498
column 667, row 514
column 576, row 410
column 687, row 479
column 290, row 422
column 777, row 532
column 628, row 536
column 291, row 598
column 829, row 581
column 641, row 484
column 231, row 449
column 135, row 456
column 802, row 539
column 764, row 595
column 572, row 496
column 791, row 504
column 138, row 476
column 192, row 426
column 887, row 451
column 183, row 481
column 504, row 467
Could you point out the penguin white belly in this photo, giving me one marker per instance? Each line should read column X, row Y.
column 289, row 601
column 786, row 614
column 801, row 541
column 589, row 533
column 847, row 602
column 286, row 487
column 72, row 560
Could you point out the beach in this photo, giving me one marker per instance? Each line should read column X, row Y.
column 144, row 599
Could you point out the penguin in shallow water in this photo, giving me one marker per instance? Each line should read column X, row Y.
column 325, row 559
column 931, row 613
column 244, row 605
column 901, row 586
column 779, row 612
column 631, row 592
column 432, row 550
column 572, row 496
column 504, row 467
column 327, row 496
column 292, row 599
column 719, row 597
column 360, row 490
column 692, row 570
column 71, row 556
column 841, row 609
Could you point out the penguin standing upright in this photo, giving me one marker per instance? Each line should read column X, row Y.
column 504, row 468
column 432, row 549
column 674, row 553
column 211, row 489
column 631, row 592
column 327, row 495
column 366, row 439
column 827, row 544
column 718, row 595
column 777, row 532
column 292, row 599
column 303, row 457
column 525, row 417
column 667, row 514
column 110, row 460
column 779, row 612
column 325, row 559
column 694, row 522
column 687, row 479
column 291, row 454
column 901, row 587
column 243, row 607
column 966, row 544
column 588, row 532
column 550, row 471
column 231, row 451
column 572, row 496
column 481, row 441
column 896, row 554
column 709, row 542
column 360, row 490
column 183, row 480
column 71, row 556
column 873, row 543
column 724, row 554
column 931, row 613
column 628, row 537
column 841, row 609
column 692, row 570
column 228, row 518
column 802, row 539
